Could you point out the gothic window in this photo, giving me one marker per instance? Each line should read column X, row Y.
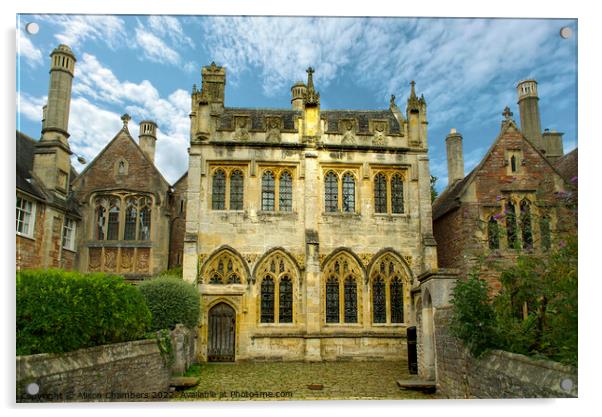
column 380, row 193
column 513, row 165
column 286, row 192
column 511, row 225
column 525, row 222
column 100, row 217
column 350, row 300
column 131, row 214
column 285, row 310
column 223, row 268
column 396, row 294
column 379, row 305
column 145, row 219
column 332, row 300
column 218, row 197
column 267, row 300
column 331, row 200
column 113, row 223
column 544, row 227
column 397, row 194
column 493, row 233
column 267, row 191
column 348, row 193
column 215, row 279
column 233, row 279
column 25, row 216
column 236, row 190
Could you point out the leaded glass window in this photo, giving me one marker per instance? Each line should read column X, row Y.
column 396, row 294
column 332, row 300
column 286, row 192
column 113, row 224
column 380, row 193
column 100, row 220
column 218, row 196
column 267, row 300
column 511, row 225
column 131, row 214
column 331, row 198
column 236, row 190
column 525, row 220
column 285, row 310
column 350, row 294
column 493, row 233
column 233, row 279
column 348, row 193
column 544, row 227
column 267, row 191
column 215, row 279
column 397, row 194
column 379, row 305
column 145, row 219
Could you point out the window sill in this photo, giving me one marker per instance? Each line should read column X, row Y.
column 70, row 250
column 119, row 244
column 342, row 214
column 390, row 215
column 29, row 237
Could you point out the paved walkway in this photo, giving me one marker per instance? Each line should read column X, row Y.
column 290, row 381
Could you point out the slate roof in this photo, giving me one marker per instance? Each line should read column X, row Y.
column 226, row 119
column 449, row 199
column 567, row 166
column 362, row 117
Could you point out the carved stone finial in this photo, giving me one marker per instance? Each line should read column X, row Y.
column 413, row 92
column 507, row 113
column 125, row 119
column 312, row 97
column 414, row 103
column 392, row 102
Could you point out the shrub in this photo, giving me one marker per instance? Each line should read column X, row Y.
column 59, row 311
column 171, row 301
column 173, row 272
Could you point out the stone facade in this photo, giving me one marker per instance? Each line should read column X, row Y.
column 281, row 201
column 178, row 222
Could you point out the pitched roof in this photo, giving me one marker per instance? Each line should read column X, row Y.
column 567, row 166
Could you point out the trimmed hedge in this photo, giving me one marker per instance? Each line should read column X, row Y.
column 171, row 301
column 60, row 311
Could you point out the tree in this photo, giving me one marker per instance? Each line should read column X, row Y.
column 434, row 192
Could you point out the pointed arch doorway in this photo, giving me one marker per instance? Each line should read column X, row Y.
column 221, row 340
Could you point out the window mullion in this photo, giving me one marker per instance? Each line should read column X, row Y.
column 341, row 299
column 276, row 192
column 227, row 195
column 389, row 195
column 340, row 193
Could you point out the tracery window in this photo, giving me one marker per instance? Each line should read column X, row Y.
column 224, row 268
column 339, row 191
column 236, row 190
column 131, row 214
column 341, row 277
column 348, row 193
column 277, row 189
column 113, row 223
column 388, row 193
column 267, row 191
column 493, row 233
column 525, row 223
column 544, row 227
column 218, row 196
column 227, row 188
column 331, row 197
column 100, row 216
column 277, row 294
column 388, row 290
column 511, row 225
column 286, row 192
column 136, row 217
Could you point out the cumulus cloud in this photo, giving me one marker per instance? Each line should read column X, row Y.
column 154, row 48
column 26, row 49
column 76, row 29
column 169, row 27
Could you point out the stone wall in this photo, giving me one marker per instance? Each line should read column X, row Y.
column 131, row 371
column 498, row 374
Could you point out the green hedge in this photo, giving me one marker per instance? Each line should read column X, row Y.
column 171, row 301
column 59, row 311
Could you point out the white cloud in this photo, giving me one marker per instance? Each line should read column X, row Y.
column 75, row 29
column 30, row 107
column 154, row 48
column 170, row 27
column 27, row 50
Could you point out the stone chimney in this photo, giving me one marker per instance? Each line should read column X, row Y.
column 528, row 105
column 298, row 91
column 147, row 138
column 455, row 160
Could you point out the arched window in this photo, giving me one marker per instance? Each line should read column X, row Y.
column 493, row 233
column 513, row 163
column 267, row 191
column 525, row 223
column 380, row 193
column 397, row 194
column 131, row 214
column 216, row 279
column 286, row 192
column 218, row 196
column 396, row 294
column 285, row 309
column 350, row 297
column 145, row 219
column 332, row 300
column 267, row 300
column 379, row 305
column 233, row 279
column 511, row 225
column 331, row 197
column 100, row 219
column 348, row 193
column 236, row 190
column 544, row 227
column 113, row 224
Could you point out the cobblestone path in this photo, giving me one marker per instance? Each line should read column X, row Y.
column 290, row 380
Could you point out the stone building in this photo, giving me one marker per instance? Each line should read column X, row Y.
column 306, row 229
column 512, row 202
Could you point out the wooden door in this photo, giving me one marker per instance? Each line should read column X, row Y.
column 222, row 332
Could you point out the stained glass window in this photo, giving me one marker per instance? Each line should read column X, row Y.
column 511, row 225
column 236, row 190
column 396, row 294
column 350, row 294
column 218, row 197
column 331, row 198
column 380, row 193
column 525, row 222
column 285, row 311
column 348, row 193
column 493, row 233
column 379, row 305
column 267, row 191
column 397, row 194
column 544, row 227
column 332, row 300
column 131, row 214
column 267, row 300
column 113, row 224
column 286, row 192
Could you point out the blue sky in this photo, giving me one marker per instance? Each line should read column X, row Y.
column 467, row 70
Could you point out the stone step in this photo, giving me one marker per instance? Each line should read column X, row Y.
column 181, row 382
column 417, row 385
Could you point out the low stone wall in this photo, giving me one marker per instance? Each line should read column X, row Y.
column 131, row 371
column 497, row 374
